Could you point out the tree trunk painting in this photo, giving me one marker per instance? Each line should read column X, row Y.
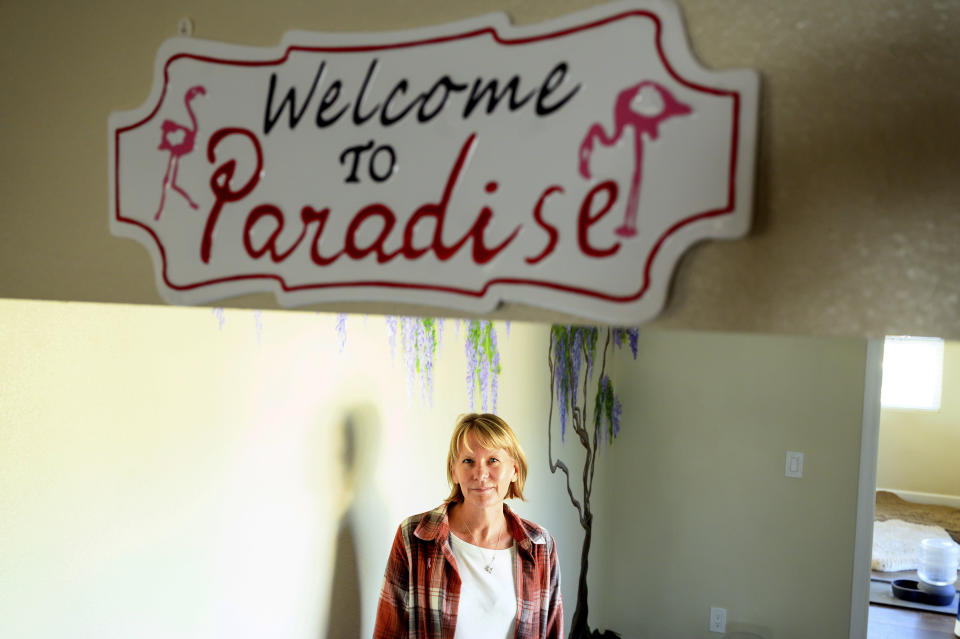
column 571, row 359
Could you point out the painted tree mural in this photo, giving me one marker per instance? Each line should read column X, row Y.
column 572, row 360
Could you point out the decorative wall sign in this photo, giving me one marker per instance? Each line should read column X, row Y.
column 566, row 165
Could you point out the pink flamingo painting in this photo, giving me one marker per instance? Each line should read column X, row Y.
column 179, row 141
column 642, row 107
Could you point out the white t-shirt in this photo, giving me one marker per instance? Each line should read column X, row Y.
column 488, row 600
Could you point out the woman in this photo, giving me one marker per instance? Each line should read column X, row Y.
column 471, row 567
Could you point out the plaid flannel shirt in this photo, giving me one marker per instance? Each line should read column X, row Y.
column 421, row 587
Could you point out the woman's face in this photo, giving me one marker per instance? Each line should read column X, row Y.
column 484, row 474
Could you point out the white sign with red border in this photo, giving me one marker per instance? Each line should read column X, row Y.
column 566, row 165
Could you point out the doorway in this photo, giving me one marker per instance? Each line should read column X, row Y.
column 903, row 451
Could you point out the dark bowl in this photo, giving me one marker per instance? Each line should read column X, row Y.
column 909, row 590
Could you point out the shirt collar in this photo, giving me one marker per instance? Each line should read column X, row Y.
column 435, row 525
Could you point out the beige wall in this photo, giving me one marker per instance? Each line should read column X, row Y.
column 699, row 512
column 856, row 220
column 918, row 449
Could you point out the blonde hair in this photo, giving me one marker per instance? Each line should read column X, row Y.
column 490, row 432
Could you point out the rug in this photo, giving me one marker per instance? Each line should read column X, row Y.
column 896, row 544
column 891, row 506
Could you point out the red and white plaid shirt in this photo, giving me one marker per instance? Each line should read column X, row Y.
column 421, row 587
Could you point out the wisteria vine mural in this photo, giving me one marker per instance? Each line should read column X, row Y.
column 219, row 314
column 341, row 332
column 572, row 360
column 483, row 364
column 420, row 338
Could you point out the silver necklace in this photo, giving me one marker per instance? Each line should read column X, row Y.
column 489, row 567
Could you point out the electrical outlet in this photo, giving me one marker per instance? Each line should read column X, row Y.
column 718, row 620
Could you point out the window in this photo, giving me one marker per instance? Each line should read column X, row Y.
column 912, row 373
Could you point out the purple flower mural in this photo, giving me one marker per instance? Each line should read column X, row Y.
column 258, row 324
column 483, row 364
column 219, row 314
column 419, row 340
column 341, row 331
column 392, row 324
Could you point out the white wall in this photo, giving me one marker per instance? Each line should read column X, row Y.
column 160, row 476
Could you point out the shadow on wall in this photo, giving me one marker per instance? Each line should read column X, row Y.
column 359, row 432
column 345, row 604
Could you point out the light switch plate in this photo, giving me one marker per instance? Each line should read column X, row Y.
column 794, row 464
